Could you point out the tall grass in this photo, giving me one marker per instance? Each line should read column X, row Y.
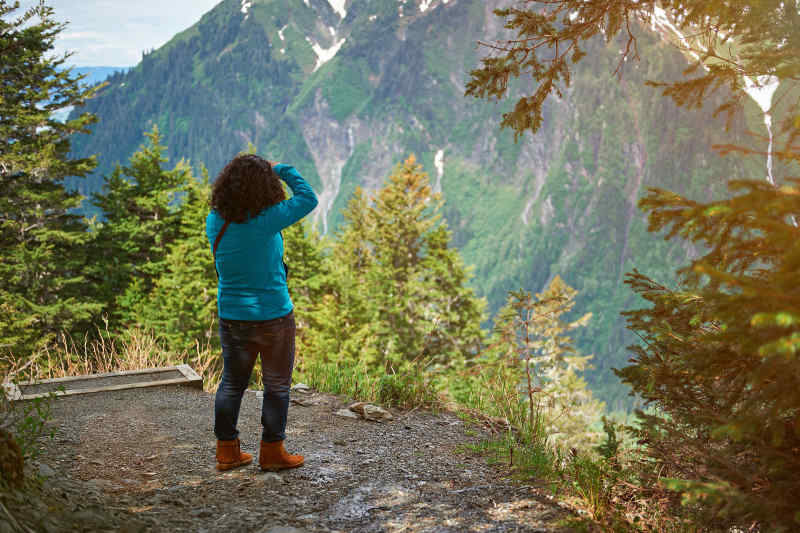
column 134, row 349
column 490, row 395
column 355, row 380
column 138, row 348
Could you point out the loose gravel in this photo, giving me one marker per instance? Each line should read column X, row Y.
column 145, row 457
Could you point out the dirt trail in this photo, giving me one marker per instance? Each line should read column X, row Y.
column 148, row 456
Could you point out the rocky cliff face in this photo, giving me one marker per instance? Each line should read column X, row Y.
column 346, row 89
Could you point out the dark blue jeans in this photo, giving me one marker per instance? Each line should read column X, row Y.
column 242, row 341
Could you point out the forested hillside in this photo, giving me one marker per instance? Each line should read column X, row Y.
column 346, row 92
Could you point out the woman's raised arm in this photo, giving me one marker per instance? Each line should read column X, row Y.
column 302, row 202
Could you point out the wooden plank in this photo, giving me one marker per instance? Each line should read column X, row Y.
column 67, row 379
column 180, row 381
column 189, row 378
column 193, row 377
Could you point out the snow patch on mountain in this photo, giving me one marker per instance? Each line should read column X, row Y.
column 761, row 90
column 325, row 54
column 661, row 21
column 438, row 162
column 280, row 32
column 246, row 6
column 338, row 6
column 547, row 211
column 425, row 5
column 526, row 213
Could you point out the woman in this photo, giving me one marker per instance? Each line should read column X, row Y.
column 249, row 210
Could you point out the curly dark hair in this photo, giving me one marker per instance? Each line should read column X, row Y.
column 245, row 187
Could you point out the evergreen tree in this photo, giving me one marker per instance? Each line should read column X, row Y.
column 534, row 335
column 140, row 206
column 720, row 357
column 341, row 317
column 309, row 280
column 42, row 289
column 304, row 253
column 182, row 306
column 401, row 295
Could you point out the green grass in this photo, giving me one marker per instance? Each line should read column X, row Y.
column 358, row 382
column 346, row 88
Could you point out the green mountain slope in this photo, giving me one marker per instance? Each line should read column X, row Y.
column 344, row 99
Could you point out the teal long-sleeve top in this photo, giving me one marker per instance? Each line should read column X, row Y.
column 252, row 280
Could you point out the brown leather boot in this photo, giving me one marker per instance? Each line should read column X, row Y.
column 273, row 456
column 230, row 456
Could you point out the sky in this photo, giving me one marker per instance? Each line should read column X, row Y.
column 114, row 33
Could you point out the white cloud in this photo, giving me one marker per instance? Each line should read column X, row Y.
column 79, row 35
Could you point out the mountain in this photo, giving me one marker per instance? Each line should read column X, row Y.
column 346, row 89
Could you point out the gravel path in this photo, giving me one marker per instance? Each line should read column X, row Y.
column 147, row 457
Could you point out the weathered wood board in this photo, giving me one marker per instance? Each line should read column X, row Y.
column 94, row 383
